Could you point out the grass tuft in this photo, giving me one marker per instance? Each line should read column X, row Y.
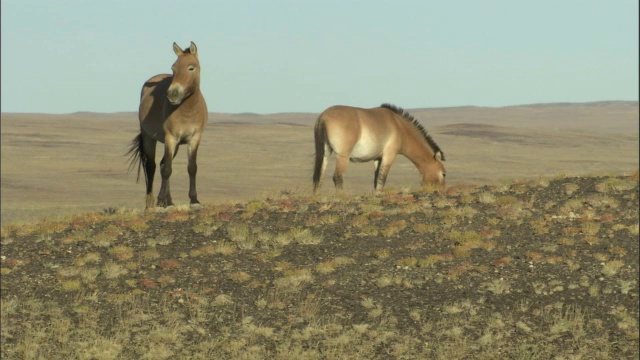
column 121, row 252
column 614, row 184
column 70, row 285
column 293, row 280
column 611, row 268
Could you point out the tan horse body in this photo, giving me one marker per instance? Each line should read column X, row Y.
column 174, row 112
column 378, row 135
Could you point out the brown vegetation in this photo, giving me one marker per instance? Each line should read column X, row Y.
column 533, row 269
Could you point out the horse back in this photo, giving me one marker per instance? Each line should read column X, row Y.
column 365, row 133
column 346, row 119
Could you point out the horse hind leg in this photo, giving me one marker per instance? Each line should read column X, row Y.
column 341, row 167
column 323, row 150
column 142, row 153
column 149, row 162
column 321, row 160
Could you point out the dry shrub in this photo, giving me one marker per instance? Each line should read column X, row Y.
column 506, row 200
column 240, row 276
column 293, row 279
column 602, row 201
column 407, row 262
column 70, row 285
column 330, row 266
column 77, row 236
column 592, row 240
column 393, row 228
column 177, row 216
column 571, row 206
column 241, row 235
column 326, row 267
column 206, row 228
column 571, row 188
column 208, row 249
column 137, row 225
column 382, row 254
column 165, row 280
column 360, row 221
column 615, row 184
column 540, row 227
column 149, row 254
column 591, row 228
column 92, row 257
column 112, row 270
column 121, row 252
column 425, row 228
column 612, row 267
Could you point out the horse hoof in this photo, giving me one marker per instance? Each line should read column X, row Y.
column 164, row 204
column 195, row 205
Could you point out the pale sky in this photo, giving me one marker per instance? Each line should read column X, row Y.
column 273, row 56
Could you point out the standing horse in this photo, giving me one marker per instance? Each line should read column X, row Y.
column 172, row 111
column 378, row 135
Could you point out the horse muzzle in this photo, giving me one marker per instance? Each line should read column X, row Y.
column 175, row 95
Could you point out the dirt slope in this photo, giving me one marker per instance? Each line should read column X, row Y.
column 537, row 270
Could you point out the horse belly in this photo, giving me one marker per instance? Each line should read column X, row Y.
column 366, row 150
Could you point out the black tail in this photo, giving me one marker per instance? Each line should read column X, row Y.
column 137, row 156
column 320, row 135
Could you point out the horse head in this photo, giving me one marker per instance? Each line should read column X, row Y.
column 186, row 74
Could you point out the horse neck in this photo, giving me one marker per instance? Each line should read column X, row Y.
column 416, row 148
column 193, row 102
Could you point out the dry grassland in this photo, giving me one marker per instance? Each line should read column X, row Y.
column 542, row 269
column 56, row 165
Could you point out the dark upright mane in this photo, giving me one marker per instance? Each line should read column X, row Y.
column 405, row 115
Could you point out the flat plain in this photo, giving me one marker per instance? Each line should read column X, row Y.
column 530, row 253
column 57, row 165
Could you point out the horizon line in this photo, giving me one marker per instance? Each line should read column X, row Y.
column 559, row 103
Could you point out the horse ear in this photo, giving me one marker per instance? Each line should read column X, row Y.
column 439, row 156
column 193, row 49
column 177, row 50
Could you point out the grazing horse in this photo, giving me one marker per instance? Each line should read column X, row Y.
column 174, row 112
column 378, row 135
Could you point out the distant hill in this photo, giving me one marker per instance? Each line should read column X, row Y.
column 247, row 116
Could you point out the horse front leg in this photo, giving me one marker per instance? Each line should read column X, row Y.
column 164, row 197
column 192, row 168
column 376, row 173
column 382, row 171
